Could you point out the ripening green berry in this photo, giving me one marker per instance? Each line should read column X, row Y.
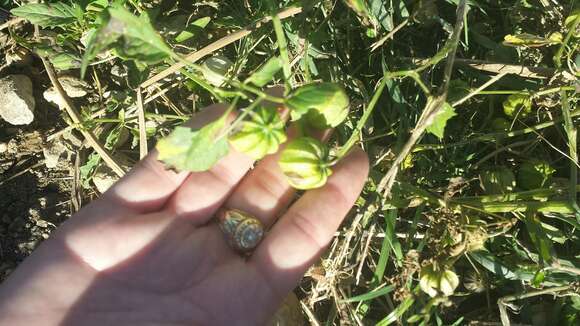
column 305, row 163
column 517, row 104
column 328, row 101
column 435, row 281
column 215, row 68
column 261, row 135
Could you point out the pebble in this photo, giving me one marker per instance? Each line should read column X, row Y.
column 52, row 152
column 73, row 87
column 3, row 147
column 103, row 180
column 16, row 100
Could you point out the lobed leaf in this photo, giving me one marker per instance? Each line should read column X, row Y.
column 50, row 14
column 266, row 72
column 186, row 149
column 437, row 127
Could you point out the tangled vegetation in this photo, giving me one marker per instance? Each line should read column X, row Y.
column 467, row 110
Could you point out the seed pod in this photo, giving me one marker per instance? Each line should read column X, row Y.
column 535, row 174
column 328, row 100
column 242, row 231
column 305, row 163
column 435, row 281
column 215, row 68
column 517, row 104
column 261, row 135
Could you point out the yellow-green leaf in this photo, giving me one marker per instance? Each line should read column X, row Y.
column 186, row 149
column 437, row 127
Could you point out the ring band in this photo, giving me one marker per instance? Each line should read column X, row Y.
column 242, row 231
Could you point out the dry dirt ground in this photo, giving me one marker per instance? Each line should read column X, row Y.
column 34, row 199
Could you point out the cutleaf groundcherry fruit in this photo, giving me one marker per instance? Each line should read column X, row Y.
column 305, row 163
column 328, row 101
column 261, row 135
column 215, row 68
column 517, row 104
column 435, row 281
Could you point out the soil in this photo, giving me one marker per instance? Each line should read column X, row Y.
column 34, row 200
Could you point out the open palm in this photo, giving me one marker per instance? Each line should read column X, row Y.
column 149, row 253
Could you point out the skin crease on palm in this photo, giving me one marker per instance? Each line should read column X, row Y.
column 149, row 253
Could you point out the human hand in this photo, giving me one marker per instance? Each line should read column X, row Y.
column 148, row 253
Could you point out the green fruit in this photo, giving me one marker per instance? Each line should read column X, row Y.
column 434, row 281
column 215, row 68
column 497, row 180
column 517, row 104
column 534, row 174
column 328, row 100
column 261, row 135
column 305, row 163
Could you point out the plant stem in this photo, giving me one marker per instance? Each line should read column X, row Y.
column 558, row 55
column 257, row 92
column 241, row 117
column 495, row 136
column 362, row 121
column 572, row 134
column 282, row 45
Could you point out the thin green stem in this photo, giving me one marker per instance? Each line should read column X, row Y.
column 494, row 136
column 240, row 118
column 362, row 121
column 257, row 92
column 282, row 45
column 572, row 134
column 558, row 55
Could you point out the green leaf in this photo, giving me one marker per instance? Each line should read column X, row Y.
column 87, row 170
column 494, row 265
column 398, row 312
column 65, row 61
column 49, row 15
column 194, row 28
column 539, row 238
column 530, row 40
column 138, row 29
column 193, row 150
column 437, row 127
column 371, row 295
column 99, row 40
column 266, row 72
column 140, row 41
column 328, row 100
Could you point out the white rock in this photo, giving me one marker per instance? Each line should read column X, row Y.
column 52, row 152
column 3, row 147
column 73, row 87
column 103, row 179
column 16, row 100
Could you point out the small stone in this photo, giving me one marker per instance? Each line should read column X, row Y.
column 73, row 87
column 52, row 152
column 3, row 147
column 104, row 179
column 16, row 100
column 18, row 56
